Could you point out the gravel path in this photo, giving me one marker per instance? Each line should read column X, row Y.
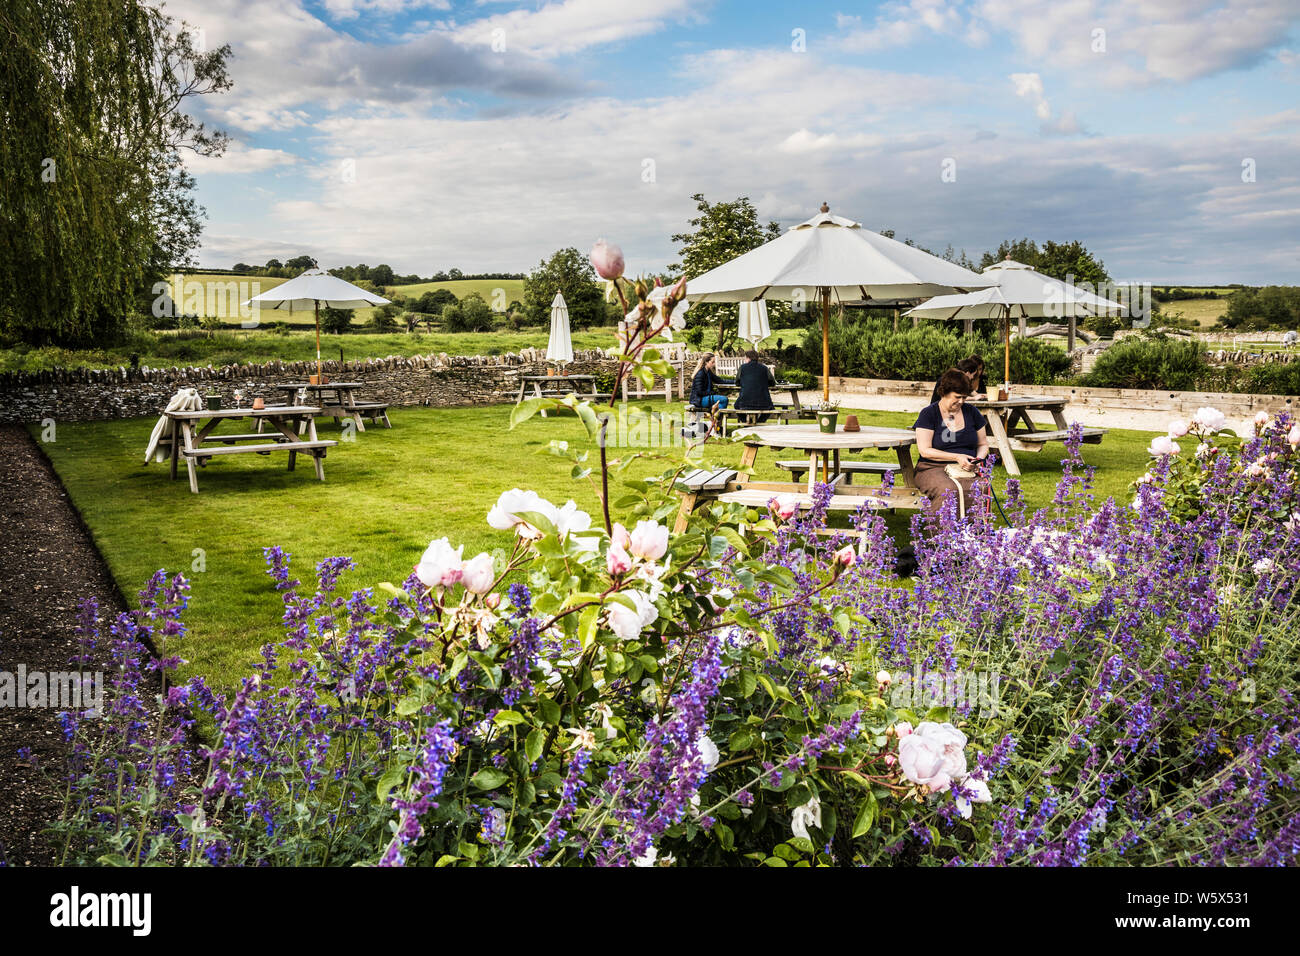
column 48, row 564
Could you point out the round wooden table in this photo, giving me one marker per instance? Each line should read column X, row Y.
column 826, row 446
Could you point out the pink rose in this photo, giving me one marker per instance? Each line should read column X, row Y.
column 846, row 556
column 441, row 565
column 903, row 728
column 784, row 506
column 617, row 560
column 1163, row 445
column 1293, row 436
column 479, row 573
column 607, row 260
column 1179, row 427
column 649, row 540
column 934, row 755
column 620, row 536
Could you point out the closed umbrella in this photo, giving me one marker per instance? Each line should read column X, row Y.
column 1022, row 292
column 559, row 347
column 315, row 288
column 753, row 322
column 832, row 257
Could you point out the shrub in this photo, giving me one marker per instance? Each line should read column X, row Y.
column 1033, row 362
column 1154, row 362
column 1273, row 378
column 798, row 377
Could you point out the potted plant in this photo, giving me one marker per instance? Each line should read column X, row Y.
column 213, row 401
column 828, row 413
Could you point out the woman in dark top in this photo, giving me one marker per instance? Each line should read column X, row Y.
column 705, row 385
column 949, row 432
column 973, row 366
column 754, row 379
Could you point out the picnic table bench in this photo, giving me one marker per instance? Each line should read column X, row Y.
column 339, row 400
column 196, row 442
column 731, row 487
column 1011, row 429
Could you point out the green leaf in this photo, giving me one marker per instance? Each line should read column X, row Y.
column 489, row 778
column 589, row 419
column 588, row 625
column 391, row 778
column 550, row 710
column 533, row 744
column 866, row 816
column 747, row 683
column 508, row 717
column 409, row 705
column 392, row 590
column 528, row 408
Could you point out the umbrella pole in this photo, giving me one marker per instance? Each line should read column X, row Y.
column 1006, row 346
column 319, row 378
column 826, row 345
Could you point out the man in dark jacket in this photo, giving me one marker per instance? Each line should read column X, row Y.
column 754, row 379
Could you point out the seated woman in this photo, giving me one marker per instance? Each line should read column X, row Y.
column 755, row 379
column 973, row 366
column 948, row 432
column 706, row 386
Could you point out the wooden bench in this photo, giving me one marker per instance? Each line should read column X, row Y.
column 1025, row 441
column 314, row 448
column 782, row 413
column 799, row 467
column 372, row 411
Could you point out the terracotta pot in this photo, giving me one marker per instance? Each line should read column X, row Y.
column 851, row 424
column 258, row 403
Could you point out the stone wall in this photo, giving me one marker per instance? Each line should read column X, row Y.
column 436, row 380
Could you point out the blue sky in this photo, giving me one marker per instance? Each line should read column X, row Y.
column 484, row 135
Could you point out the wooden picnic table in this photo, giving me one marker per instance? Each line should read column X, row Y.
column 556, row 387
column 791, row 387
column 1013, row 430
column 338, row 400
column 823, row 450
column 199, row 440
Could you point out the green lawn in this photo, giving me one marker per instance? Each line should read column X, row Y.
column 435, row 473
column 235, row 346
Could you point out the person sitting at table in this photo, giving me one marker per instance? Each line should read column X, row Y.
column 973, row 366
column 949, row 432
column 706, row 387
column 755, row 379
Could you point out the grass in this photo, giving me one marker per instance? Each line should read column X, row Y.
column 215, row 295
column 1204, row 312
column 164, row 349
column 435, row 473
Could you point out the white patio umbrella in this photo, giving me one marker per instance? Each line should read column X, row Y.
column 832, row 257
column 1022, row 292
column 753, row 322
column 311, row 290
column 559, row 347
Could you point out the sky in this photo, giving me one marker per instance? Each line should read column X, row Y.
column 484, row 135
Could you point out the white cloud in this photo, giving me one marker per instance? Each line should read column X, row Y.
column 898, row 24
column 239, row 158
column 564, row 27
column 351, row 9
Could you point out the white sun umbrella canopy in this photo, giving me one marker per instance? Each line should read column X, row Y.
column 830, row 257
column 754, row 327
column 1020, row 292
column 313, row 289
column 559, row 347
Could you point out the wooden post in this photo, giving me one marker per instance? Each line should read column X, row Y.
column 319, row 377
column 1006, row 346
column 967, row 326
column 895, row 318
column 1023, row 326
column 1069, row 345
column 826, row 344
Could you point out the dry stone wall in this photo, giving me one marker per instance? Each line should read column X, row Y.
column 431, row 380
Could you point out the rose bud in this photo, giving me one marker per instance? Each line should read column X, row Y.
column 607, row 260
column 883, row 677
column 493, row 601
column 845, row 556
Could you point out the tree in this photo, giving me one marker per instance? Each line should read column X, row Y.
column 471, row 314
column 569, row 272
column 381, row 275
column 95, row 201
column 335, row 321
column 722, row 231
column 1060, row 260
column 434, row 301
column 299, row 264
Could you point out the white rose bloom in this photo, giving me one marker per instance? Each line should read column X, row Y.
column 1263, row 566
column 504, row 515
column 980, row 794
column 708, row 752
column 810, row 814
column 1210, row 419
column 648, row 857
column 569, row 519
column 440, row 565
